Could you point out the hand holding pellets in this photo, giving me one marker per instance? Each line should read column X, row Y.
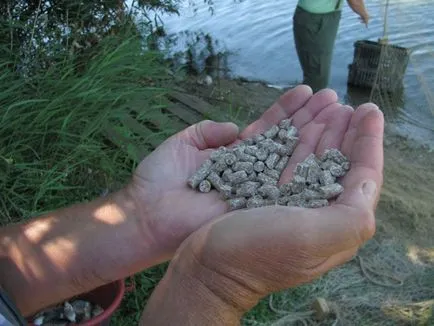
column 247, row 175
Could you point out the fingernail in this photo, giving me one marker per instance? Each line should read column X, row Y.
column 369, row 189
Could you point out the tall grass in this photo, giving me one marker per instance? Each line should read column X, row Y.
column 53, row 151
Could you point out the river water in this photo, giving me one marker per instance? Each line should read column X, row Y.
column 259, row 33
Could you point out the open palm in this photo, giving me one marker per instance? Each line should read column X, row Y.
column 174, row 211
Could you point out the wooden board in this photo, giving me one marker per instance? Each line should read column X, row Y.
column 193, row 102
column 184, row 113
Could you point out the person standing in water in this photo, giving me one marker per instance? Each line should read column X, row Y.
column 315, row 26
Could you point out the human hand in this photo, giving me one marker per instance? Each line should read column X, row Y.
column 364, row 18
column 247, row 254
column 169, row 209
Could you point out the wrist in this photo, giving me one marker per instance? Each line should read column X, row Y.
column 233, row 292
column 184, row 297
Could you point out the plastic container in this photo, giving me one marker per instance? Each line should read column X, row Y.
column 108, row 296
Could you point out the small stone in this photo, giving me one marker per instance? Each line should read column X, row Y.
column 200, row 174
column 331, row 191
column 272, row 160
column 243, row 166
column 69, row 312
column 285, row 123
column 272, row 173
column 238, row 177
column 326, row 178
column 237, row 203
column 281, row 165
column 265, row 179
column 269, row 191
column 255, row 202
column 97, row 310
column 205, row 186
column 317, row 203
column 272, row 132
column 247, row 189
column 259, row 166
column 230, row 159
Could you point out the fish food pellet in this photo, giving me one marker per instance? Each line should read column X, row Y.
column 200, row 174
column 259, row 166
column 237, row 203
column 247, row 175
column 205, row 186
column 243, row 166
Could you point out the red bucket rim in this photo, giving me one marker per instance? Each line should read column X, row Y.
column 108, row 311
column 111, row 309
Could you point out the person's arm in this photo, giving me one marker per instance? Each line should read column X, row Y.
column 72, row 251
column 358, row 6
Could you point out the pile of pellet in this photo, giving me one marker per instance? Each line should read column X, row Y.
column 69, row 313
column 247, row 175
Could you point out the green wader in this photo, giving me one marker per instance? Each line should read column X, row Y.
column 315, row 36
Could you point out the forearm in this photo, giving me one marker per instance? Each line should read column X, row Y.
column 71, row 251
column 358, row 6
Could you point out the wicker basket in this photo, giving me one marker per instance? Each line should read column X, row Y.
column 372, row 58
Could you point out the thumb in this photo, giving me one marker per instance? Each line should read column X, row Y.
column 209, row 134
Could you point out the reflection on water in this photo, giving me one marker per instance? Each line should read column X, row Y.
column 260, row 35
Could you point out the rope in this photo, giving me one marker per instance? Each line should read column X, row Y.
column 386, row 14
column 365, row 270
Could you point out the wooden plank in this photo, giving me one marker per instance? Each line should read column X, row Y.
column 141, row 130
column 193, row 102
column 136, row 152
column 184, row 113
column 176, row 124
